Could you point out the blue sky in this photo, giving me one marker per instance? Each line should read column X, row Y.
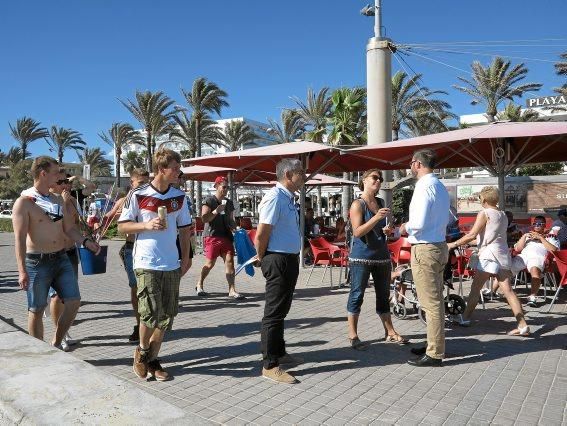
column 68, row 62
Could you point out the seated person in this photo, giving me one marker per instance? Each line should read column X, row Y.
column 533, row 248
column 341, row 230
column 561, row 223
column 513, row 232
column 453, row 231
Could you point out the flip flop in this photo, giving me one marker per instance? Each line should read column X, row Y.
column 357, row 344
column 522, row 332
column 237, row 296
column 396, row 338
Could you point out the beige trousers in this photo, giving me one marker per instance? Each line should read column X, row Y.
column 427, row 263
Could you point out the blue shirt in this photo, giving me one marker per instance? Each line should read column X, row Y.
column 277, row 209
column 428, row 212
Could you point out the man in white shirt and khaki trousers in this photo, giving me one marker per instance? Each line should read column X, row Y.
column 426, row 229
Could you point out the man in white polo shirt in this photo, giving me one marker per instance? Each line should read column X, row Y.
column 429, row 214
column 156, row 259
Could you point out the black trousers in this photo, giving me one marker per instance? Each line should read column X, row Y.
column 281, row 272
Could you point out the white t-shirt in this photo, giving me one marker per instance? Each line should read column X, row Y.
column 50, row 204
column 156, row 250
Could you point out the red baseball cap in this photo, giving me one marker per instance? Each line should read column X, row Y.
column 219, row 180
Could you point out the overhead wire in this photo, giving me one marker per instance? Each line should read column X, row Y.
column 477, row 53
column 400, row 59
column 453, row 67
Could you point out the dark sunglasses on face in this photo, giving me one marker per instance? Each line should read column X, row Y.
column 62, row 181
column 376, row 177
column 539, row 223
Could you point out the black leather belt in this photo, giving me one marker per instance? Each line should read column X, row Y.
column 282, row 254
column 41, row 256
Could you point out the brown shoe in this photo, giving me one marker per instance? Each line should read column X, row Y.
column 156, row 370
column 278, row 375
column 140, row 366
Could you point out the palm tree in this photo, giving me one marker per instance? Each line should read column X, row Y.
column 151, row 111
column 496, row 83
column 134, row 160
column 118, row 137
column 515, row 113
column 561, row 69
column 236, row 134
column 291, row 128
column 348, row 117
column 184, row 131
column 63, row 139
column 25, row 132
column 204, row 98
column 411, row 102
column 94, row 157
column 315, row 112
column 12, row 157
column 426, row 122
column 348, row 127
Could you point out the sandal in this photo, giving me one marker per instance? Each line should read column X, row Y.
column 357, row 344
column 523, row 332
column 396, row 338
column 236, row 296
column 201, row 292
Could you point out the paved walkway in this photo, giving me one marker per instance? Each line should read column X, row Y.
column 213, row 352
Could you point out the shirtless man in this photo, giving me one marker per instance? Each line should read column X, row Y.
column 56, row 307
column 138, row 177
column 41, row 224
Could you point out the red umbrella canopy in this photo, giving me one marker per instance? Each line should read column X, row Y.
column 209, row 174
column 317, row 157
column 316, row 180
column 499, row 147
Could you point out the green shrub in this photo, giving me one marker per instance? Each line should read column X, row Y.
column 6, row 225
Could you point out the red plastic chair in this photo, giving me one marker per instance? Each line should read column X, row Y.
column 199, row 228
column 325, row 255
column 394, row 248
column 251, row 234
column 560, row 257
column 246, row 223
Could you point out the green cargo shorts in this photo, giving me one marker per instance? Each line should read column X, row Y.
column 158, row 297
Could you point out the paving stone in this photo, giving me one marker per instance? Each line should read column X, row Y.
column 213, row 352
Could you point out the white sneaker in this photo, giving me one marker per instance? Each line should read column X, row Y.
column 70, row 342
column 531, row 301
column 62, row 347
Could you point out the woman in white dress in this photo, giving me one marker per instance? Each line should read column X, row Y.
column 493, row 258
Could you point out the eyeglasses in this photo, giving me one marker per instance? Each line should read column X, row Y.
column 62, row 181
column 376, row 177
column 413, row 161
column 539, row 223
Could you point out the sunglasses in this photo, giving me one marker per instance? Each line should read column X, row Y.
column 539, row 223
column 62, row 181
column 376, row 177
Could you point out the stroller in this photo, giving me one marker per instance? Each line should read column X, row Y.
column 454, row 304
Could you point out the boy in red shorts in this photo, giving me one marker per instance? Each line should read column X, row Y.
column 218, row 215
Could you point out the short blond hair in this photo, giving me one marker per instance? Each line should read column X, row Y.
column 42, row 163
column 489, row 194
column 163, row 157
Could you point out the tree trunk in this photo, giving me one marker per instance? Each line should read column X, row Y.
column 345, row 197
column 398, row 174
column 199, row 196
column 149, row 149
column 117, row 166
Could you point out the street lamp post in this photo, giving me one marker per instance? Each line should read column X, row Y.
column 379, row 88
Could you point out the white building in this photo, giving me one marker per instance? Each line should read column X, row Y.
column 543, row 106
